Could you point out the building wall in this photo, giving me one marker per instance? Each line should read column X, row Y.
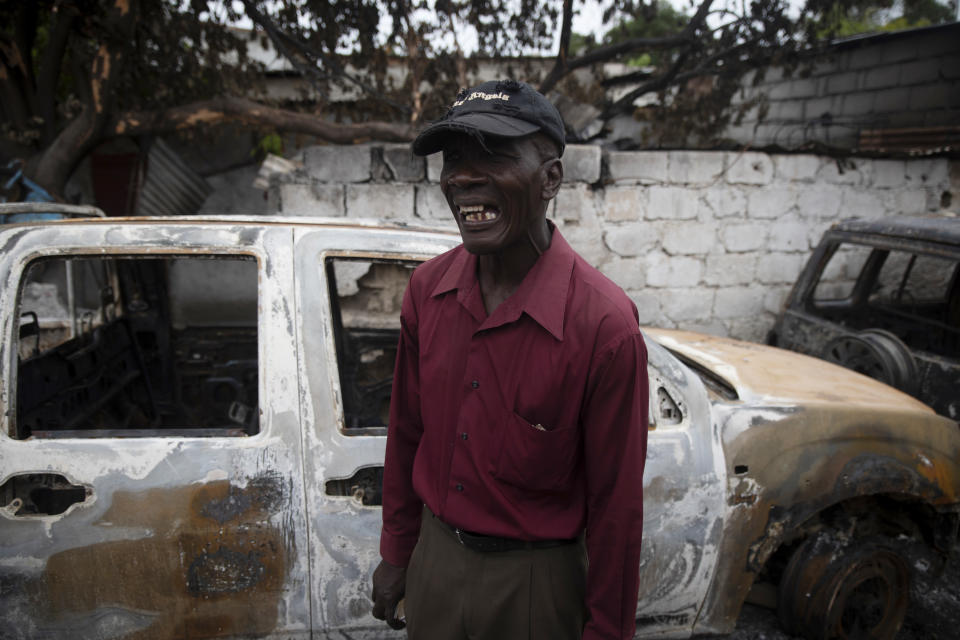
column 899, row 80
column 706, row 241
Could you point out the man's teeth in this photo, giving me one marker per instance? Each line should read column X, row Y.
column 477, row 213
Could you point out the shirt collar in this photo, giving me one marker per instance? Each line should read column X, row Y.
column 542, row 295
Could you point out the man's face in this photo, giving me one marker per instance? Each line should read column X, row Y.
column 495, row 196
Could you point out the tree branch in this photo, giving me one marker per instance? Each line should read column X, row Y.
column 51, row 62
column 655, row 84
column 560, row 66
column 230, row 109
column 86, row 131
column 608, row 52
column 283, row 42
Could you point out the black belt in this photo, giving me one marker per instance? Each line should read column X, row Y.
column 485, row 544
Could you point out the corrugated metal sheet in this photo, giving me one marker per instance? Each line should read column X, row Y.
column 913, row 140
column 171, row 187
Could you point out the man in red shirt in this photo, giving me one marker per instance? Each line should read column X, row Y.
column 518, row 420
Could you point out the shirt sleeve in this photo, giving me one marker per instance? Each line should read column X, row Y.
column 401, row 505
column 615, row 423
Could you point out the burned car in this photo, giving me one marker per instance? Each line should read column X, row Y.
column 193, row 433
column 882, row 297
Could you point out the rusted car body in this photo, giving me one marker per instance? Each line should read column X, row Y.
column 882, row 297
column 193, row 436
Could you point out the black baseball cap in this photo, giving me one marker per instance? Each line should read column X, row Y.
column 501, row 108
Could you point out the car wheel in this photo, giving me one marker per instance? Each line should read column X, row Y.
column 875, row 353
column 835, row 587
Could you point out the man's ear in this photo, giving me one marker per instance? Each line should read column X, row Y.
column 552, row 177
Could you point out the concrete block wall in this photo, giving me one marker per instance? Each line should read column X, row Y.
column 708, row 241
column 909, row 79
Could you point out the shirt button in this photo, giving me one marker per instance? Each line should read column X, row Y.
column 463, row 436
column 459, row 487
column 475, row 384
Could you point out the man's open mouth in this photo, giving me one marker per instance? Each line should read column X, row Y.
column 478, row 212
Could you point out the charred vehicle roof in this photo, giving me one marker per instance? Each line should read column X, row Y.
column 882, row 297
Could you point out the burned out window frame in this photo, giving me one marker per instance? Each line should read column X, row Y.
column 19, row 274
column 334, row 326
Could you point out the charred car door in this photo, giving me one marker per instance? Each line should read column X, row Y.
column 150, row 454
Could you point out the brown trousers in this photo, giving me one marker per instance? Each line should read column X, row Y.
column 454, row 593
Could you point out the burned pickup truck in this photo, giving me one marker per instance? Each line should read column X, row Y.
column 192, row 441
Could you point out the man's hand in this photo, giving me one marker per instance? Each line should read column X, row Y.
column 389, row 585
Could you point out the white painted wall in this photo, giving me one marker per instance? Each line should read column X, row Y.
column 708, row 241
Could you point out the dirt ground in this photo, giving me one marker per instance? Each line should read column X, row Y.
column 934, row 612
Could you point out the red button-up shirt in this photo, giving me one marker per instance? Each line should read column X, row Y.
column 529, row 423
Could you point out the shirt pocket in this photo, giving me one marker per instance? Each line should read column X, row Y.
column 535, row 458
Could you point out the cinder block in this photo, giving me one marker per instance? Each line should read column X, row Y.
column 845, row 171
column 587, row 240
column 881, row 77
column 403, row 165
column 785, row 110
column 646, row 167
column 338, row 163
column 862, row 203
column 311, row 200
column 628, row 273
column 581, row 163
column 630, row 240
column 889, row 100
column 737, row 302
column 819, row 201
column 434, row 166
column 907, row 201
column 889, row 174
column 793, row 89
column 765, row 134
column 685, row 305
column 740, row 238
column 934, row 172
column 725, row 202
column 624, row 203
column 393, row 201
column 431, row 204
column 749, row 168
column 648, row 306
column 818, row 107
column 771, row 202
column 672, row 271
column 730, row 269
column 712, row 327
column 695, row 167
column 802, row 168
column 862, row 58
column 898, row 50
column 788, row 235
column 859, row 103
column 753, row 328
column 671, row 203
column 776, row 297
column 688, row 238
column 935, row 96
column 780, row 268
column 921, row 71
column 576, row 202
column 843, row 82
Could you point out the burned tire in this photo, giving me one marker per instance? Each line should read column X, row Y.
column 837, row 588
column 875, row 353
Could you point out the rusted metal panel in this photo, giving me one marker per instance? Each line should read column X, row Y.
column 180, row 536
column 912, row 140
column 805, row 436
